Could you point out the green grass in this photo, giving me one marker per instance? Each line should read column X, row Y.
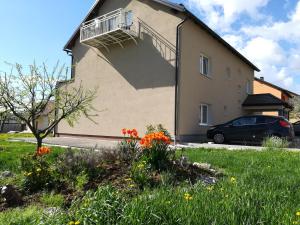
column 10, row 152
column 52, row 199
column 21, row 216
column 265, row 190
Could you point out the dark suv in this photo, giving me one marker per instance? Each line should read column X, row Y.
column 251, row 129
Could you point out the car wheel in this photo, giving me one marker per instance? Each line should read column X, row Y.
column 219, row 138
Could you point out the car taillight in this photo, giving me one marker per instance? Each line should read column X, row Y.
column 284, row 123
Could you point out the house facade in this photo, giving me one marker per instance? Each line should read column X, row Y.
column 279, row 95
column 154, row 62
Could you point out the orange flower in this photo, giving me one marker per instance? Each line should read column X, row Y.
column 156, row 137
column 43, row 151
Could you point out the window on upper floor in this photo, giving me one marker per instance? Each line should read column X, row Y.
column 204, row 65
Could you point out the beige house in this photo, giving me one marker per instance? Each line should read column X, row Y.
column 155, row 63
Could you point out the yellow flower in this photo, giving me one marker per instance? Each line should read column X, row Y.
column 128, row 179
column 71, row 223
column 77, row 222
column 141, row 166
column 298, row 213
column 38, row 170
column 233, row 180
column 131, row 185
column 187, row 197
column 29, row 174
column 210, row 188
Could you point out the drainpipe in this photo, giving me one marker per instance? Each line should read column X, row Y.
column 176, row 78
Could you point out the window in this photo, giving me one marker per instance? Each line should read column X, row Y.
column 248, row 87
column 244, row 121
column 128, row 18
column 204, row 65
column 203, row 114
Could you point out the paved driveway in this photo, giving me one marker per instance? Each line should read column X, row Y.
column 73, row 142
column 76, row 142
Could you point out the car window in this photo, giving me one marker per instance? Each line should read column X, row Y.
column 264, row 119
column 244, row 121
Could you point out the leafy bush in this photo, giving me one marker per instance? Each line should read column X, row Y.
column 273, row 143
column 39, row 174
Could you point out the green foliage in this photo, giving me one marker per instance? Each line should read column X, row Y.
column 52, row 199
column 21, row 216
column 81, row 180
column 38, row 173
column 275, row 143
column 104, row 206
column 140, row 173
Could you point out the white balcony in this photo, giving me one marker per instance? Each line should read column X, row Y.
column 112, row 28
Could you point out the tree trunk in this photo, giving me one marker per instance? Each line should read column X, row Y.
column 39, row 142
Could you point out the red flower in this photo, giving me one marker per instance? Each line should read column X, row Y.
column 124, row 131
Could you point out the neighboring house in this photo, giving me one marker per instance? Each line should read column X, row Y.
column 276, row 98
column 155, row 63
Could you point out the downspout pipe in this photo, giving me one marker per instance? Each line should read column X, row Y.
column 177, row 78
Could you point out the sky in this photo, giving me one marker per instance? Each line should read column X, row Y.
column 267, row 32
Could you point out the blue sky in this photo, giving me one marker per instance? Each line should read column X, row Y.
column 265, row 31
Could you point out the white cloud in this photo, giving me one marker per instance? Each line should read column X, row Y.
column 222, row 13
column 263, row 51
column 289, row 30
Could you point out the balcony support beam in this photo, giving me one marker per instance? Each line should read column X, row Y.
column 116, row 39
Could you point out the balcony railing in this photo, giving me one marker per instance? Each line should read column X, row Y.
column 113, row 27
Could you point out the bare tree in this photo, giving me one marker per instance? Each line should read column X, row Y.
column 28, row 94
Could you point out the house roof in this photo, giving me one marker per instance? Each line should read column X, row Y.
column 289, row 93
column 177, row 7
column 264, row 100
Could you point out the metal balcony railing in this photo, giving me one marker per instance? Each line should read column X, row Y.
column 113, row 27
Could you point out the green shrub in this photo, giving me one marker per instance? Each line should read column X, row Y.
column 39, row 174
column 81, row 180
column 273, row 143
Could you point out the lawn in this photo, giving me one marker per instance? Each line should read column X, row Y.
column 259, row 188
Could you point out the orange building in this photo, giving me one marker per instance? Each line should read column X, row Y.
column 274, row 100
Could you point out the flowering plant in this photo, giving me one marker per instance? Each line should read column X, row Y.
column 129, row 144
column 155, row 147
column 43, row 151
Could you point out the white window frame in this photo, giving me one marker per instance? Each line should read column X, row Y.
column 202, row 56
column 201, row 122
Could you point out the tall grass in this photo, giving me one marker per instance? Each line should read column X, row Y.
column 275, row 143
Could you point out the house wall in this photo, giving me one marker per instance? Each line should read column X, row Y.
column 224, row 92
column 136, row 83
column 261, row 88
